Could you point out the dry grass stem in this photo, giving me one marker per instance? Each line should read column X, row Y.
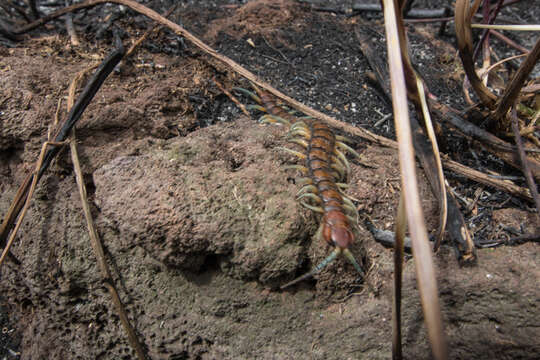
column 421, row 249
column 507, row 27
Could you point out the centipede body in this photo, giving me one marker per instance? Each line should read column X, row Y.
column 325, row 170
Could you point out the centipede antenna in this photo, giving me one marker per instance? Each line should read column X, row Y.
column 342, row 185
column 348, row 254
column 251, row 94
column 316, row 269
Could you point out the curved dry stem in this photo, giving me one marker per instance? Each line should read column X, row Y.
column 463, row 14
column 443, row 203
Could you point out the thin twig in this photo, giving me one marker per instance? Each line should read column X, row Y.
column 147, row 33
column 100, row 254
column 509, row 41
column 490, row 20
column 525, row 163
column 231, row 96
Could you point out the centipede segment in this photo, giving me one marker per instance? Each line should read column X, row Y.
column 325, row 170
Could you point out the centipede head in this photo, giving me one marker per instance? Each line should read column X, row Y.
column 336, row 229
column 337, row 232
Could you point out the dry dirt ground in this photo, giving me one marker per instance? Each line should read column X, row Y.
column 198, row 216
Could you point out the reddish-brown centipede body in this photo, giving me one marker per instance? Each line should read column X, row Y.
column 325, row 169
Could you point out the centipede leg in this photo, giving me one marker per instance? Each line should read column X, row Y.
column 299, row 125
column 300, row 142
column 309, row 195
column 301, row 168
column 344, row 139
column 299, row 131
column 307, row 188
column 250, row 94
column 347, row 202
column 312, row 208
column 256, row 107
column 347, row 148
column 273, row 119
column 343, row 160
column 342, row 175
column 304, row 181
column 293, row 152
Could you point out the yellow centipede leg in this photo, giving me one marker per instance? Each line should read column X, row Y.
column 340, row 170
column 313, row 208
column 310, row 196
column 293, row 152
column 274, row 119
column 347, row 148
column 304, row 181
column 344, row 139
column 299, row 132
column 299, row 124
column 256, row 107
column 251, row 94
column 300, row 142
column 300, row 168
column 349, row 203
column 343, row 160
column 307, row 188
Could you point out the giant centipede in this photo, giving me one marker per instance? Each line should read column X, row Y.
column 325, row 169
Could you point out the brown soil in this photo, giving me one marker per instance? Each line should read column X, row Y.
column 198, row 217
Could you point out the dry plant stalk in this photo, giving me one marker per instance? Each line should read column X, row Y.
column 100, row 254
column 421, row 250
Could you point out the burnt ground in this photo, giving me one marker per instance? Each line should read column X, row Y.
column 198, row 217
